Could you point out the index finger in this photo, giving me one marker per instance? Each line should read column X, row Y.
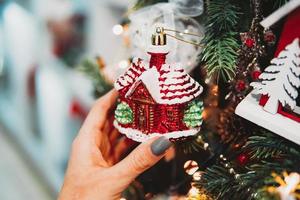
column 90, row 139
column 98, row 113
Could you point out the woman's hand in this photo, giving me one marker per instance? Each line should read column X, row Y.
column 91, row 174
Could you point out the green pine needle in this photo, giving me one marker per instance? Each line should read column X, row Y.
column 268, row 153
column 270, row 146
column 220, row 41
column 90, row 69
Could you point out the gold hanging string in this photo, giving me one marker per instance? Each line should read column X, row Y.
column 186, row 33
column 182, row 40
column 182, row 33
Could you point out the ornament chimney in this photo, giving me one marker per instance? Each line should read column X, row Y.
column 159, row 51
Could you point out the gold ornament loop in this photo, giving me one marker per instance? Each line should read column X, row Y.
column 159, row 38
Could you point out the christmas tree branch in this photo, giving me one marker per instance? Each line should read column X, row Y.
column 91, row 69
column 270, row 146
column 220, row 43
column 231, row 180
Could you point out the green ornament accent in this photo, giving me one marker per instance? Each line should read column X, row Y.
column 193, row 114
column 123, row 113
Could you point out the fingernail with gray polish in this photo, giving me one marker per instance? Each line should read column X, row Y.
column 159, row 146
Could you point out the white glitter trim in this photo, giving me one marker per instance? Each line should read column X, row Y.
column 138, row 136
column 175, row 81
column 135, row 60
column 158, row 49
column 150, row 79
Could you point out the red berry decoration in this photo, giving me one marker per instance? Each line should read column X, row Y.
column 240, row 85
column 269, row 37
column 255, row 74
column 243, row 159
column 249, row 42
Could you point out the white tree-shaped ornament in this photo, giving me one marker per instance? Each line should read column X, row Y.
column 281, row 79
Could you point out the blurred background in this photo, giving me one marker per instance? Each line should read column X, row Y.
column 43, row 96
column 58, row 56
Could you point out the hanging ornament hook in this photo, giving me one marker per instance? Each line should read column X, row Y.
column 159, row 38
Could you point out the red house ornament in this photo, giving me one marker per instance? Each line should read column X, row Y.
column 157, row 98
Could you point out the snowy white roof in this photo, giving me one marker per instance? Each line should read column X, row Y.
column 170, row 85
column 133, row 72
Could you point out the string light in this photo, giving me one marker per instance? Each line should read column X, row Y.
column 204, row 114
column 289, row 185
column 123, row 64
column 117, row 29
column 205, row 146
column 197, row 176
column 215, row 90
column 193, row 191
column 190, row 167
column 207, row 80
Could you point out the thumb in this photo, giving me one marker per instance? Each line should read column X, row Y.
column 142, row 158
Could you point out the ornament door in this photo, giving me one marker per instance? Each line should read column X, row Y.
column 143, row 117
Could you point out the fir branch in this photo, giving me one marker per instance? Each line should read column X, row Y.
column 220, row 55
column 265, row 151
column 270, row 146
column 223, row 185
column 220, row 43
column 91, row 70
column 214, row 178
column 222, row 16
column 191, row 144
